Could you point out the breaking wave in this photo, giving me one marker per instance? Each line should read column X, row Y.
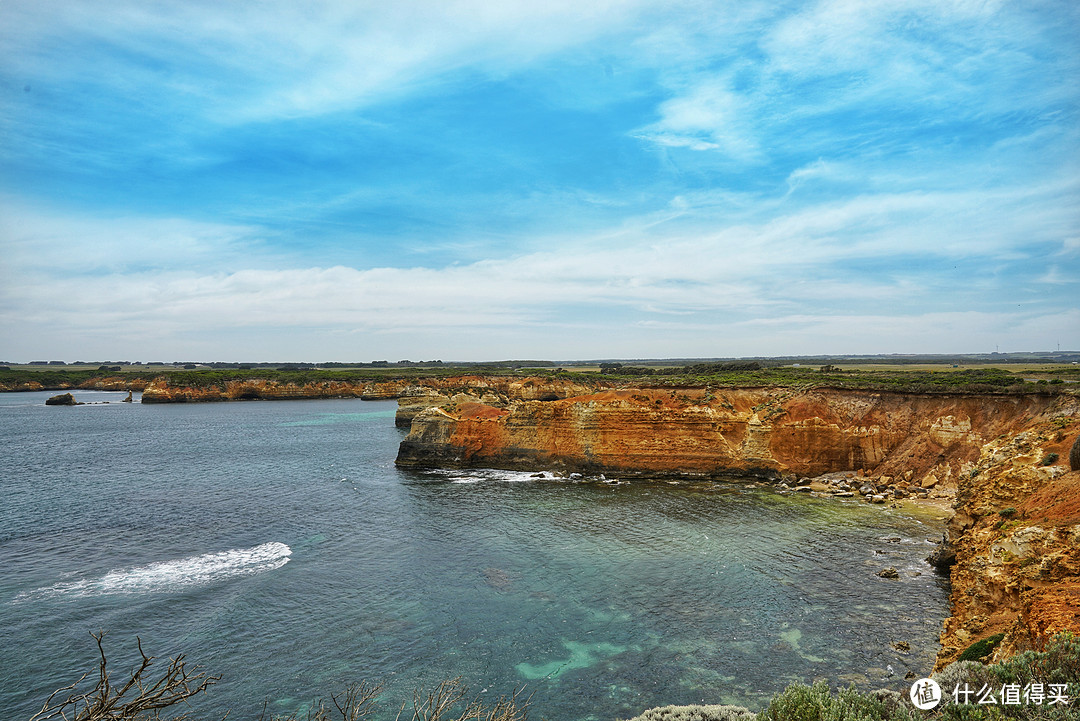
column 181, row 574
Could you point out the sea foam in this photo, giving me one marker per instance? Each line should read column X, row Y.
column 177, row 575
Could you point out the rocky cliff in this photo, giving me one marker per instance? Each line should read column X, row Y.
column 415, row 394
column 96, row 383
column 160, row 390
column 1015, row 533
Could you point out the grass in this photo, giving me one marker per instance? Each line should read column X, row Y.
column 986, row 379
column 967, row 380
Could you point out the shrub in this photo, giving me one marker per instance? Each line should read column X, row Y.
column 697, row 713
column 981, row 649
column 814, row 703
column 1049, row 459
column 1058, row 663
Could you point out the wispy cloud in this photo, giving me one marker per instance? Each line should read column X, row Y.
column 558, row 179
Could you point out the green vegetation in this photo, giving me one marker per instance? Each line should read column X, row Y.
column 755, row 374
column 202, row 378
column 903, row 374
column 981, row 649
column 697, row 713
column 815, row 703
column 150, row 696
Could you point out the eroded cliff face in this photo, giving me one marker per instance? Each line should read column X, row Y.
column 493, row 391
column 1016, row 531
column 415, row 394
column 97, row 383
column 161, row 391
column 695, row 431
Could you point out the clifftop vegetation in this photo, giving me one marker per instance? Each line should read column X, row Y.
column 751, row 374
column 940, row 378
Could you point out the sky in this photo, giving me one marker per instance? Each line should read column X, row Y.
column 476, row 180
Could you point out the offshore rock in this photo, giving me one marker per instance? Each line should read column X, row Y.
column 64, row 399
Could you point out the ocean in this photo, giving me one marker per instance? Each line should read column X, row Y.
column 276, row 544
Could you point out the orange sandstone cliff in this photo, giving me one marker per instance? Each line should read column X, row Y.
column 1016, row 528
column 414, row 394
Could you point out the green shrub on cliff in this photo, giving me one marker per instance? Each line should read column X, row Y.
column 815, row 703
column 697, row 713
column 983, row 648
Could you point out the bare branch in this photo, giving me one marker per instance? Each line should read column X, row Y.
column 358, row 701
column 138, row 695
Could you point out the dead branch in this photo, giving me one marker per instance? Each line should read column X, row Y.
column 140, row 694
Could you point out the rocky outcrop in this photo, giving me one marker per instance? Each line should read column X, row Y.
column 492, row 391
column 928, row 441
column 64, row 399
column 1013, row 545
column 160, row 390
column 1016, row 535
column 114, row 383
column 96, row 383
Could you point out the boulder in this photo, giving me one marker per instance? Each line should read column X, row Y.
column 943, row 556
column 64, row 399
column 889, row 572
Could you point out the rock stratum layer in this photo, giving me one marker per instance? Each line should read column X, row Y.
column 97, row 383
column 413, row 394
column 1015, row 533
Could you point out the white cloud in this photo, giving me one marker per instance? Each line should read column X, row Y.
column 279, row 59
column 709, row 116
column 46, row 240
column 759, row 274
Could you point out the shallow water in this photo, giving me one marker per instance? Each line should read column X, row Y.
column 276, row 544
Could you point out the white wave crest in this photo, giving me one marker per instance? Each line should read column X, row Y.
column 175, row 575
column 475, row 475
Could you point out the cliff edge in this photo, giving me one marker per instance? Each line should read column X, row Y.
column 1016, row 528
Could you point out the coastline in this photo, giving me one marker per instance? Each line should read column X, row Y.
column 995, row 464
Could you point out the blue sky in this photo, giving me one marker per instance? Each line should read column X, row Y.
column 477, row 180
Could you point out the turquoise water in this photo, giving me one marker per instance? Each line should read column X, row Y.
column 276, row 544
